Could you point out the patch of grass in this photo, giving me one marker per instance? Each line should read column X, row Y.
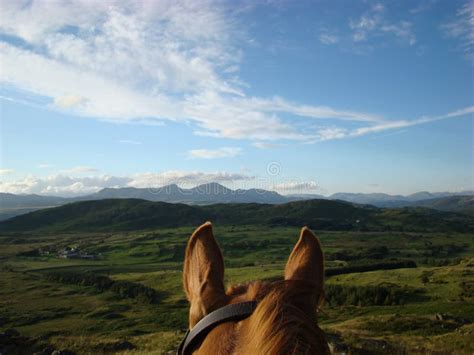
column 424, row 326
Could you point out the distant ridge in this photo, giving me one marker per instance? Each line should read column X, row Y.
column 212, row 193
column 12, row 205
column 133, row 214
column 460, row 204
column 202, row 194
column 8, row 200
column 386, row 200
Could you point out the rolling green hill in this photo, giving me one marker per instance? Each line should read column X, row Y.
column 459, row 204
column 135, row 214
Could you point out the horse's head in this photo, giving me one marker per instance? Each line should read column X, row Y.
column 283, row 320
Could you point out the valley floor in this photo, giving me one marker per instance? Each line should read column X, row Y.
column 423, row 309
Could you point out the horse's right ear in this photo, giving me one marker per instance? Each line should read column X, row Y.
column 203, row 274
column 306, row 262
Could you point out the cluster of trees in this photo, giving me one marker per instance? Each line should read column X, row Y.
column 444, row 250
column 247, row 244
column 441, row 262
column 374, row 252
column 388, row 265
column 28, row 253
column 125, row 289
column 381, row 295
column 467, row 289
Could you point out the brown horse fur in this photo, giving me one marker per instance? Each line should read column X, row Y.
column 285, row 320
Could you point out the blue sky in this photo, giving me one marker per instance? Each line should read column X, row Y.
column 299, row 97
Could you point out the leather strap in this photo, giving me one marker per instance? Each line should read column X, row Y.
column 231, row 312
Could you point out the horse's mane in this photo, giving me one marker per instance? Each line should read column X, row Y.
column 284, row 322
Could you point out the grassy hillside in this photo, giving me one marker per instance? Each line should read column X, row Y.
column 89, row 306
column 135, row 214
column 118, row 214
column 460, row 204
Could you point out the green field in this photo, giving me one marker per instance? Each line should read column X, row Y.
column 428, row 308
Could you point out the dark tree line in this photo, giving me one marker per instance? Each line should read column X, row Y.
column 444, row 250
column 125, row 289
column 389, row 265
column 375, row 252
column 381, row 295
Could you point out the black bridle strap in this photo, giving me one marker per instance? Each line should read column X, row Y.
column 231, row 312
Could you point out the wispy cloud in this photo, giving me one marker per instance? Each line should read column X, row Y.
column 45, row 166
column 265, row 145
column 338, row 133
column 374, row 22
column 330, row 133
column 187, row 178
column 422, row 7
column 326, row 38
column 129, row 141
column 224, row 152
column 6, row 171
column 61, row 185
column 462, row 28
column 296, row 187
column 403, row 30
column 69, row 101
column 149, row 62
column 215, row 114
column 364, row 25
column 80, row 170
column 64, row 185
column 378, row 7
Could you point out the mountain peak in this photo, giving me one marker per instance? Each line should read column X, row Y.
column 211, row 187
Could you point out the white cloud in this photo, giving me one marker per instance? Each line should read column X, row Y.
column 326, row 38
column 69, row 101
column 296, row 187
column 422, row 7
column 103, row 97
column 80, row 170
column 63, row 185
column 265, row 145
column 148, row 62
column 223, row 152
column 256, row 118
column 378, row 7
column 462, row 28
column 374, row 23
column 185, row 178
column 337, row 133
column 331, row 133
column 120, row 60
column 45, row 166
column 100, row 96
column 457, row 113
column 402, row 30
column 6, row 171
column 129, row 141
column 408, row 123
column 359, row 36
column 365, row 23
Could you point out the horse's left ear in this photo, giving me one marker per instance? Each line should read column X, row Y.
column 203, row 276
column 306, row 262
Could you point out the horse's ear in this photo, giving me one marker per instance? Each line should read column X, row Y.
column 203, row 275
column 306, row 262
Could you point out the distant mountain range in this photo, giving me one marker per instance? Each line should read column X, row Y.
column 212, row 193
column 202, row 194
column 111, row 215
column 386, row 200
